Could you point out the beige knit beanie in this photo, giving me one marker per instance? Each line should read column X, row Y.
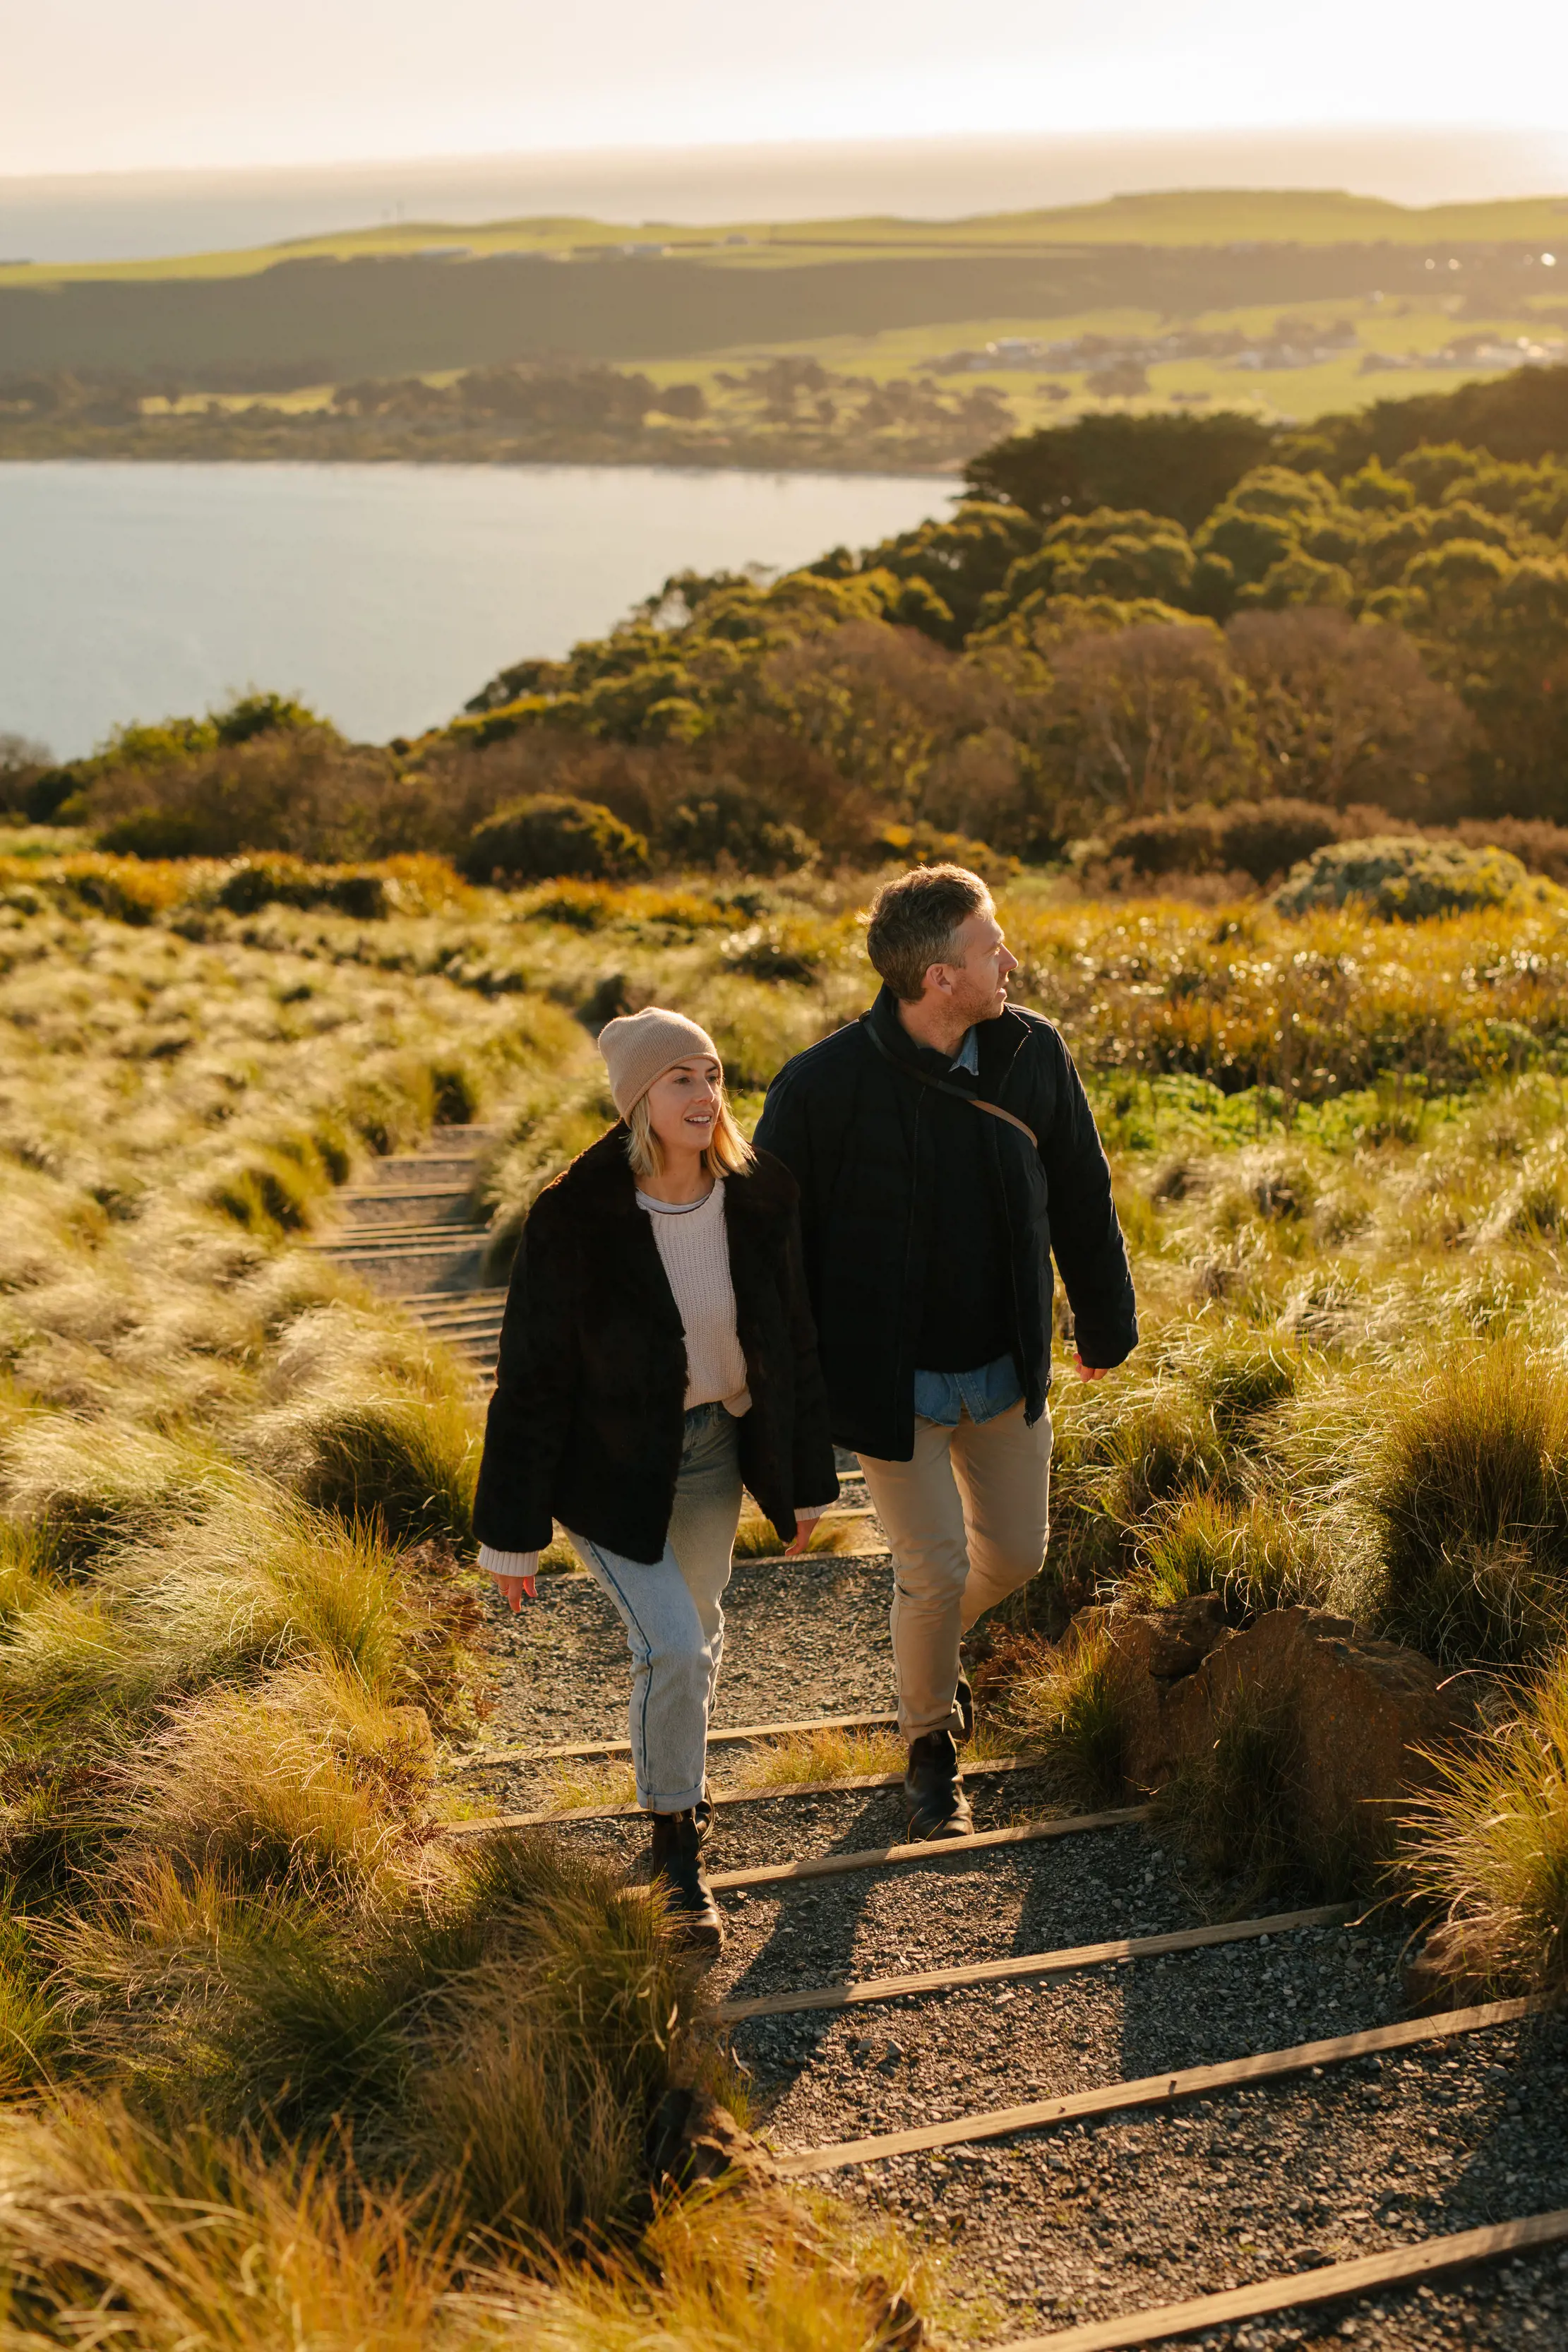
column 638, row 1047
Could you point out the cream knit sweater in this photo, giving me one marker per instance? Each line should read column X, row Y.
column 695, row 1258
column 695, row 1254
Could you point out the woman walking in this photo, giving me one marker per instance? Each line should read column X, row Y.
column 658, row 1350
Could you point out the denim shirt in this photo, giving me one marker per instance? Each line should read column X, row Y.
column 989, row 1389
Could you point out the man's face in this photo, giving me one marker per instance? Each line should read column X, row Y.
column 982, row 965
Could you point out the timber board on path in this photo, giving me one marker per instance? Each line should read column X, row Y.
column 1133, row 2125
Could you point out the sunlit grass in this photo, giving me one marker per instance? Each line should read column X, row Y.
column 1487, row 1849
column 236, row 1625
column 758, row 1539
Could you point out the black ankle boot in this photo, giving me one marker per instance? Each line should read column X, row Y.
column 964, row 1700
column 934, row 1795
column 703, row 1813
column 692, row 1914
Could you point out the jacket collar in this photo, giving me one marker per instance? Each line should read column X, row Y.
column 999, row 1041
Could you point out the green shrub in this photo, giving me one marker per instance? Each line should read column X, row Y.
column 154, row 832
column 253, row 883
column 1404, row 880
column 1259, row 838
column 1471, row 1490
column 730, row 824
column 552, row 835
column 927, row 844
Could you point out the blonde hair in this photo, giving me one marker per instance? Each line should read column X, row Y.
column 727, row 1152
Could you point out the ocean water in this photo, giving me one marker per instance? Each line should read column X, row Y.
column 383, row 595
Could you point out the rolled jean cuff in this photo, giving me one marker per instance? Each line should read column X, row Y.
column 684, row 1801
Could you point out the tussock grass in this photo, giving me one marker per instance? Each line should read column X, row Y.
column 1063, row 1701
column 1471, row 1494
column 306, row 1784
column 80, row 1488
column 199, row 2236
column 194, row 2237
column 407, row 1463
column 1256, row 1557
column 1488, row 1848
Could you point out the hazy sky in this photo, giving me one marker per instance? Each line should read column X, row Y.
column 109, row 85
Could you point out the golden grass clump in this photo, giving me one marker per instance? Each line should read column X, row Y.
column 1256, row 1556
column 199, row 2236
column 306, row 1784
column 1471, row 1489
column 1488, row 1847
column 1062, row 1702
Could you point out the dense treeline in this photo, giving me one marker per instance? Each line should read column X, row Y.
column 1371, row 641
column 787, row 411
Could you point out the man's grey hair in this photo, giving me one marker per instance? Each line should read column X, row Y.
column 914, row 923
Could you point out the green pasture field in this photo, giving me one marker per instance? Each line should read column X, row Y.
column 1400, row 330
column 1195, row 216
column 427, row 295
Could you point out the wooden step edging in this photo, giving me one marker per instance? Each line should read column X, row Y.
column 765, row 1795
column 926, row 1850
column 1029, row 1964
column 715, row 1738
column 1367, row 2274
column 1159, row 2090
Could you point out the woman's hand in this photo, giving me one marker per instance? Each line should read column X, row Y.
column 512, row 1590
column 512, row 1573
column 805, row 1527
column 1090, row 1372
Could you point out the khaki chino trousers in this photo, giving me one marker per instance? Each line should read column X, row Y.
column 967, row 1519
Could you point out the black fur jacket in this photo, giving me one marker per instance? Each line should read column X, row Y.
column 587, row 1422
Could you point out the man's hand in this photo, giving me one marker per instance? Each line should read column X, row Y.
column 1091, row 1372
column 512, row 1590
column 805, row 1525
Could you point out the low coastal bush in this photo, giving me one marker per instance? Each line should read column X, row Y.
column 550, row 834
column 1404, row 880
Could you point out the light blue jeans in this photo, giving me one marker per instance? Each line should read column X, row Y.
column 675, row 1625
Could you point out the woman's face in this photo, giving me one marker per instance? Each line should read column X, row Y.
column 683, row 1105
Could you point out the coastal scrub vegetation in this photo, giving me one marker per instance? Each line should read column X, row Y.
column 1339, row 646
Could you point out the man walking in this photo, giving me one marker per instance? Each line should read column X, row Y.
column 945, row 1149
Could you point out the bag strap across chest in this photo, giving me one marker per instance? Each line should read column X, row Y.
column 941, row 1086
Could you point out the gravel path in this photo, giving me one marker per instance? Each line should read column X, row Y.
column 1080, row 2220
column 802, row 1637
